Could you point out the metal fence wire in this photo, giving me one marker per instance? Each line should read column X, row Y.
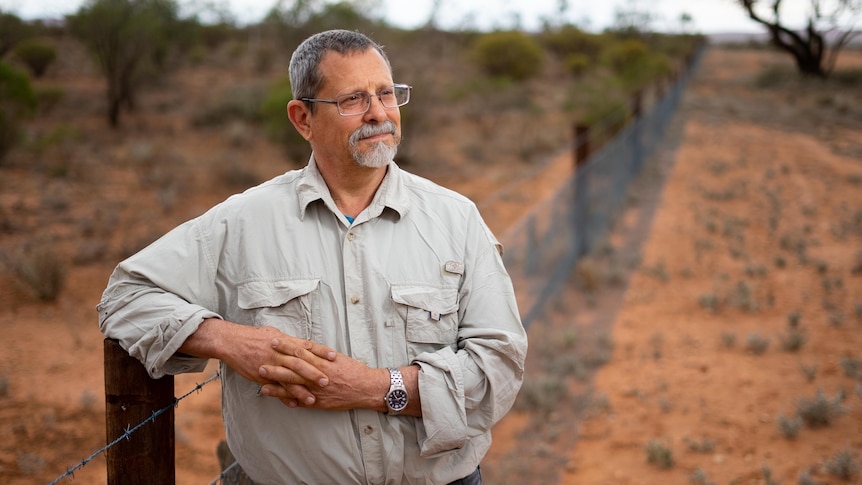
column 542, row 249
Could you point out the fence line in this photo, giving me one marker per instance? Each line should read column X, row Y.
column 541, row 249
column 128, row 430
column 545, row 245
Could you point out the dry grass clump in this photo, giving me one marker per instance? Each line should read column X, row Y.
column 820, row 411
column 38, row 268
column 659, row 454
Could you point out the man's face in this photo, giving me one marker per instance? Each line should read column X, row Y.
column 369, row 139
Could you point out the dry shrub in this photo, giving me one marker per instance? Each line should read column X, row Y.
column 40, row 269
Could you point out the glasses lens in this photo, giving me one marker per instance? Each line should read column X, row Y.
column 402, row 95
column 352, row 104
column 358, row 103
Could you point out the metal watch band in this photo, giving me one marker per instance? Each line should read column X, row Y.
column 396, row 399
column 396, row 380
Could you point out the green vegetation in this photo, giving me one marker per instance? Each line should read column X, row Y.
column 278, row 126
column 128, row 39
column 36, row 55
column 659, row 454
column 17, row 100
column 508, row 54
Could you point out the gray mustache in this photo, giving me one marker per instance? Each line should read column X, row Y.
column 366, row 130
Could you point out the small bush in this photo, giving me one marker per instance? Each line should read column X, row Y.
column 852, row 367
column 756, row 344
column 510, row 54
column 699, row 477
column 705, row 445
column 569, row 39
column 41, row 270
column 576, row 64
column 659, row 454
column 36, row 55
column 809, row 371
column 843, row 465
column 728, row 339
column 789, row 426
column 634, row 64
column 794, row 340
column 819, row 411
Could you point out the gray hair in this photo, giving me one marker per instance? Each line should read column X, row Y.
column 305, row 76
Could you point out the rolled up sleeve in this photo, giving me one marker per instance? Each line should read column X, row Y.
column 465, row 392
column 147, row 303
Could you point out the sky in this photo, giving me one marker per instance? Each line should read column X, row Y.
column 708, row 16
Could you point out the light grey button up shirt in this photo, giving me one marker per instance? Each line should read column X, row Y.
column 417, row 278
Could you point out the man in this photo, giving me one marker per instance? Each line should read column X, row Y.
column 366, row 327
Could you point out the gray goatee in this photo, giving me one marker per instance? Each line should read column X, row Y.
column 380, row 153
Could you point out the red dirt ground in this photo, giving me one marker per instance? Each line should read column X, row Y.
column 760, row 217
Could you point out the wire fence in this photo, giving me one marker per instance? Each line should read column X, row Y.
column 542, row 248
column 70, row 473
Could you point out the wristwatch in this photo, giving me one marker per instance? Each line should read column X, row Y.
column 396, row 398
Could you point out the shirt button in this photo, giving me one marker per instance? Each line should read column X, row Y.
column 368, row 430
column 354, row 299
column 351, row 236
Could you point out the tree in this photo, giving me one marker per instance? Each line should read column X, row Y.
column 632, row 20
column 830, row 26
column 125, row 36
column 12, row 31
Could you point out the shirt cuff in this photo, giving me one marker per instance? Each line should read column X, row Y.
column 443, row 426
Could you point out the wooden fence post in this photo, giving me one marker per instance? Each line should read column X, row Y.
column 582, row 143
column 131, row 397
column 637, row 103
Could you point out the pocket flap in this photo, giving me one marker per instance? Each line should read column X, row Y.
column 260, row 294
column 436, row 300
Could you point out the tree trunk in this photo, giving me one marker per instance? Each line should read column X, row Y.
column 807, row 49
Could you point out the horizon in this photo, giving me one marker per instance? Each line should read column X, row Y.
column 708, row 17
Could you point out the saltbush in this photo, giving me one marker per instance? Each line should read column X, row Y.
column 509, row 54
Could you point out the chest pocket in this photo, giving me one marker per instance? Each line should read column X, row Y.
column 430, row 316
column 291, row 306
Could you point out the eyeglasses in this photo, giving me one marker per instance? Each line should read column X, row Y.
column 357, row 103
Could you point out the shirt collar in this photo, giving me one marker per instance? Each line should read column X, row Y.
column 391, row 194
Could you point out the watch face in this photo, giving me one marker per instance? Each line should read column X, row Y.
column 397, row 399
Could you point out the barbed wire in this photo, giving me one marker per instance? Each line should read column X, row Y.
column 126, row 435
column 226, row 473
column 653, row 123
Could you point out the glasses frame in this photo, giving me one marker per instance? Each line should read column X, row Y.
column 367, row 105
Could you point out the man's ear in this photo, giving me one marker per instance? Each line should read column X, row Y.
column 299, row 113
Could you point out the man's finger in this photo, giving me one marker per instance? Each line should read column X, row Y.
column 290, row 395
column 303, row 349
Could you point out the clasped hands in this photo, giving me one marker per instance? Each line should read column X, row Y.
column 302, row 373
column 299, row 372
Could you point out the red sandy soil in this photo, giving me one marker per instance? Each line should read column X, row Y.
column 757, row 210
column 760, row 222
